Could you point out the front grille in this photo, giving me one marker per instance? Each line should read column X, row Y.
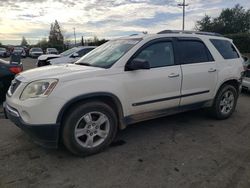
column 14, row 85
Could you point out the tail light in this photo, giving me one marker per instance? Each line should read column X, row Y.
column 16, row 70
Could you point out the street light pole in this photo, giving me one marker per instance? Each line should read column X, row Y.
column 183, row 5
column 75, row 35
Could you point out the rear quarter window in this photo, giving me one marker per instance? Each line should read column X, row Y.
column 225, row 48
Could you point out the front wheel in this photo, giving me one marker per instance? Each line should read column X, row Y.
column 89, row 128
column 225, row 102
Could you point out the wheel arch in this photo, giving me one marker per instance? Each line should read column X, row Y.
column 234, row 82
column 108, row 98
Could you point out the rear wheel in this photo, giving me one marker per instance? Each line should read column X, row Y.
column 89, row 128
column 225, row 102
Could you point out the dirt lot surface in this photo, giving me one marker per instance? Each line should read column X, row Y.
column 184, row 150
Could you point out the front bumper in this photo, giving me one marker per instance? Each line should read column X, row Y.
column 44, row 135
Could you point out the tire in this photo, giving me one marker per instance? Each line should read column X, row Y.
column 225, row 102
column 89, row 128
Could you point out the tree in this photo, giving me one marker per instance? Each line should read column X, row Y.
column 82, row 41
column 230, row 21
column 205, row 24
column 55, row 36
column 24, row 42
column 43, row 43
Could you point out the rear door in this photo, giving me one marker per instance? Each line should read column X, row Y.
column 198, row 69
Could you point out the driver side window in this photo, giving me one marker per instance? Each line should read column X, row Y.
column 159, row 54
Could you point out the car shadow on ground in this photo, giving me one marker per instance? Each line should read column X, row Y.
column 139, row 133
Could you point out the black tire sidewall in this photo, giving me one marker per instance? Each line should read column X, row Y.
column 73, row 117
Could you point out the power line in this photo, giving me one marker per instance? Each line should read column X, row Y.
column 183, row 5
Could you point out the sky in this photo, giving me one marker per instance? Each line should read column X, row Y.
column 101, row 18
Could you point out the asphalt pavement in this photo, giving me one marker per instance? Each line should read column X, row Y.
column 186, row 150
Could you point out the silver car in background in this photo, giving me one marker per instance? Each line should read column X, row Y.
column 3, row 52
column 51, row 51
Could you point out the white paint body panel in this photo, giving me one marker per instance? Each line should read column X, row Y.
column 128, row 86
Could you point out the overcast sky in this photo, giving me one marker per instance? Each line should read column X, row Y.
column 103, row 18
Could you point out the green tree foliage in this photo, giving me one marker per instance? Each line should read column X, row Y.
column 24, row 42
column 82, row 41
column 56, row 38
column 241, row 40
column 43, row 44
column 230, row 21
column 95, row 41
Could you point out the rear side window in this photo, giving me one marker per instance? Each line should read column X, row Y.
column 226, row 49
column 192, row 51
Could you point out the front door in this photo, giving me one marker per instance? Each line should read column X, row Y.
column 158, row 87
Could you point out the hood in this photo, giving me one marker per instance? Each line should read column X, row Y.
column 47, row 56
column 61, row 72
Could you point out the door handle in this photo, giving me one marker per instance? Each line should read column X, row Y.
column 212, row 70
column 173, row 75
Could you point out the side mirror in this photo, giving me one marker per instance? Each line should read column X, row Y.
column 74, row 55
column 137, row 64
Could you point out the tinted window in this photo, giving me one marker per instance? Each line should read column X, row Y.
column 225, row 48
column 84, row 51
column 81, row 52
column 158, row 54
column 193, row 52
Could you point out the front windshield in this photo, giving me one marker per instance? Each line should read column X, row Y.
column 2, row 49
column 107, row 54
column 70, row 51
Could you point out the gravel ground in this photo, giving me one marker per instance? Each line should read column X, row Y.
column 185, row 150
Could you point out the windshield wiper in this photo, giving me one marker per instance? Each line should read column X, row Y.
column 83, row 63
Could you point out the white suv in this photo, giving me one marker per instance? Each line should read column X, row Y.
column 124, row 81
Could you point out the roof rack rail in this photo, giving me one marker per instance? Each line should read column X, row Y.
column 190, row 32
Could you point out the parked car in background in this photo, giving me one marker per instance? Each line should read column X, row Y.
column 19, row 51
column 246, row 62
column 51, row 51
column 69, row 56
column 125, row 81
column 35, row 52
column 7, row 74
column 3, row 52
column 246, row 81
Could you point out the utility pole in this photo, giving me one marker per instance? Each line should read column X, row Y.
column 183, row 5
column 75, row 35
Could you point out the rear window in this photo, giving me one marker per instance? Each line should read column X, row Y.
column 225, row 48
column 192, row 51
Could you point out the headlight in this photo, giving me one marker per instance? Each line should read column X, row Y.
column 40, row 88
